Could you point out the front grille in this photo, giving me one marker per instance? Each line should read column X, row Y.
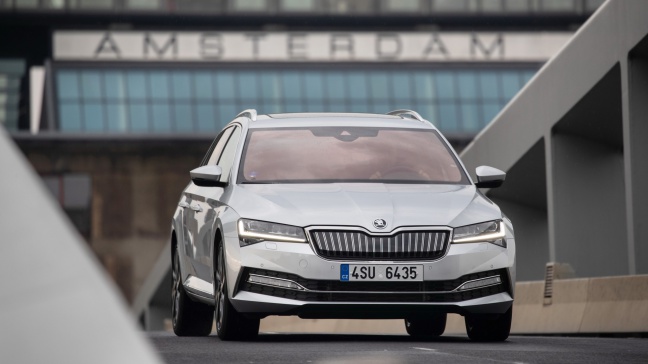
column 336, row 291
column 359, row 245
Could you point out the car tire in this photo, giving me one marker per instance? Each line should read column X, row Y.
column 433, row 326
column 189, row 318
column 489, row 327
column 230, row 325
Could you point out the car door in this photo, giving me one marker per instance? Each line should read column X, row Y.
column 207, row 205
column 194, row 211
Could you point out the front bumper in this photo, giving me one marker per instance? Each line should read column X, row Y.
column 298, row 260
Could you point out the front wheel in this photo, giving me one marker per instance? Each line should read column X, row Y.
column 489, row 327
column 189, row 318
column 433, row 326
column 230, row 325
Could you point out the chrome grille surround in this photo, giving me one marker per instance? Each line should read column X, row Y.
column 403, row 243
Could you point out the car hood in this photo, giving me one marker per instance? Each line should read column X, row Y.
column 359, row 204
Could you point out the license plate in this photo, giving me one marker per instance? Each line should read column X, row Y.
column 380, row 272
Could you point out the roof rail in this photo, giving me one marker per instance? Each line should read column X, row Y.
column 407, row 113
column 249, row 113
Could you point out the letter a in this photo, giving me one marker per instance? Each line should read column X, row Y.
column 108, row 47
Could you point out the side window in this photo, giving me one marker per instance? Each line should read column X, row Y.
column 218, row 147
column 227, row 159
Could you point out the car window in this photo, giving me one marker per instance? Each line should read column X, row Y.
column 218, row 146
column 348, row 154
column 227, row 158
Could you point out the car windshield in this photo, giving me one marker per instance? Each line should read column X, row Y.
column 348, row 154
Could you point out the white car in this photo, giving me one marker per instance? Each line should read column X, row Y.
column 326, row 215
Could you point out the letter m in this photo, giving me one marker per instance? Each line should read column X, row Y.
column 479, row 50
column 151, row 44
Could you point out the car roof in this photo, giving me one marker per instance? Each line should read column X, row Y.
column 288, row 120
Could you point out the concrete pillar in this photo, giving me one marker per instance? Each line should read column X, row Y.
column 635, row 125
column 523, row 199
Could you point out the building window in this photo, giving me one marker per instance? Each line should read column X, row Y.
column 11, row 72
column 74, row 192
column 297, row 5
column 408, row 6
column 249, row 5
column 457, row 100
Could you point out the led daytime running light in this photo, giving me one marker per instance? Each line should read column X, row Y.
column 243, row 233
column 499, row 234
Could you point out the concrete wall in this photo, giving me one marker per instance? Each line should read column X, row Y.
column 579, row 306
column 584, row 119
column 136, row 185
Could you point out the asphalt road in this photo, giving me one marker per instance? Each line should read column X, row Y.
column 378, row 349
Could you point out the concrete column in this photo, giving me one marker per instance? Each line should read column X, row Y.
column 635, row 127
column 589, row 206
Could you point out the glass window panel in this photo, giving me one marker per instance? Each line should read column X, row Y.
column 314, row 106
column 358, row 86
column 161, row 116
column 489, row 85
column 270, row 86
column 159, row 85
column 203, row 85
column 249, row 5
column 114, row 85
column 445, row 85
column 248, row 89
column 424, row 87
column 95, row 4
column 379, row 85
column 226, row 112
column 510, row 84
column 558, row 5
column 294, row 106
column 93, row 116
column 470, row 118
column 136, row 85
column 143, row 4
column 491, row 6
column 314, row 85
column 116, row 117
column 467, row 85
column 448, row 119
column 270, row 107
column 592, row 5
column 26, row 3
column 184, row 119
column 428, row 111
column 67, row 84
column 292, row 87
column 527, row 76
column 359, row 106
column 205, row 116
column 490, row 110
column 70, row 117
column 297, row 5
column 181, row 85
column 451, row 5
column 335, row 85
column 409, row 6
column 517, row 6
column 90, row 85
column 138, row 115
column 401, row 86
column 380, row 108
column 225, row 85
column 337, row 106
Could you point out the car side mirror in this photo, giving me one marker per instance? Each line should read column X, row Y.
column 207, row 176
column 489, row 177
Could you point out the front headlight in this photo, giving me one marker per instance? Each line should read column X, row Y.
column 488, row 232
column 252, row 232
